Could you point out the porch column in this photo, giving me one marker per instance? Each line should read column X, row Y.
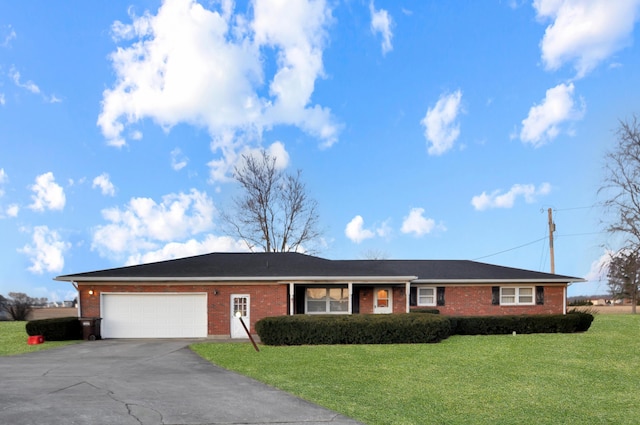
column 291, row 294
column 407, row 294
column 350, row 289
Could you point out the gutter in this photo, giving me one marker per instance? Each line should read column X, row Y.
column 275, row 279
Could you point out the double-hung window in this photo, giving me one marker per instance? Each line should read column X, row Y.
column 517, row 296
column 426, row 296
column 327, row 300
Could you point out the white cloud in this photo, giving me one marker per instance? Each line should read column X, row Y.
column 12, row 210
column 417, row 223
column 28, row 85
column 4, row 178
column 440, row 126
column 143, row 224
column 2, row 99
column 585, row 33
column 356, row 232
column 191, row 247
column 598, row 270
column 47, row 193
column 106, row 187
column 205, row 67
column 178, row 160
column 7, row 34
column 381, row 23
column 544, row 122
column 46, row 250
column 496, row 199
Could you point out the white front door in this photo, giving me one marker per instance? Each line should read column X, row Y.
column 239, row 310
column 382, row 301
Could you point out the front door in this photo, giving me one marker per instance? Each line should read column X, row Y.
column 239, row 309
column 382, row 301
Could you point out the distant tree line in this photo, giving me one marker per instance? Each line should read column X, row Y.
column 19, row 305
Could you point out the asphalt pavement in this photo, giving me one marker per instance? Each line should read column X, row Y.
column 141, row 382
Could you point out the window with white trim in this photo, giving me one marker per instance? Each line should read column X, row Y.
column 327, row 300
column 426, row 296
column 517, row 295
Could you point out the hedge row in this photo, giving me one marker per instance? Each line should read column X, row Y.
column 353, row 329
column 407, row 328
column 525, row 324
column 58, row 329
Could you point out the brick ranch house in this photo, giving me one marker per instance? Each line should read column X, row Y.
column 200, row 296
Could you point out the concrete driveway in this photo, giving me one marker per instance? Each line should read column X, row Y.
column 141, row 382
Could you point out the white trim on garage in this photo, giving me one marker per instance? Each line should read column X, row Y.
column 153, row 315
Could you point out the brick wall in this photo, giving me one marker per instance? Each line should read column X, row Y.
column 476, row 301
column 265, row 300
column 367, row 300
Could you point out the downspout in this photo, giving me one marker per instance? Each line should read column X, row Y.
column 407, row 293
column 564, row 300
column 291, row 293
column 79, row 308
column 350, row 303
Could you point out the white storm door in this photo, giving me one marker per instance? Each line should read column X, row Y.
column 382, row 301
column 240, row 309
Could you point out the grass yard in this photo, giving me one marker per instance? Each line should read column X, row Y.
column 13, row 340
column 589, row 378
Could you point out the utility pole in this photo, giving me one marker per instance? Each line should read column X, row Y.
column 552, row 228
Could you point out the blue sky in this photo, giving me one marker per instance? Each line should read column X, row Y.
column 424, row 129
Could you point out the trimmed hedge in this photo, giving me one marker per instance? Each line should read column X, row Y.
column 425, row 310
column 353, row 329
column 524, row 324
column 58, row 329
column 407, row 328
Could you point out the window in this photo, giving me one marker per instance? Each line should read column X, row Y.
column 516, row 296
column 327, row 300
column 426, row 296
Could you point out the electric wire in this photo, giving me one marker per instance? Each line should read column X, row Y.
column 511, row 249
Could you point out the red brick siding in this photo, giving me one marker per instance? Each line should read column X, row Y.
column 265, row 300
column 476, row 301
column 367, row 297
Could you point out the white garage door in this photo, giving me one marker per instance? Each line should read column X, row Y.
column 165, row 315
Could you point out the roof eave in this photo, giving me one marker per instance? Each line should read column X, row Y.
column 476, row 281
column 277, row 279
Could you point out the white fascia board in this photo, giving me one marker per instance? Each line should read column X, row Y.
column 250, row 279
column 501, row 281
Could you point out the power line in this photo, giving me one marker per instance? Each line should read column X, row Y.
column 575, row 208
column 512, row 249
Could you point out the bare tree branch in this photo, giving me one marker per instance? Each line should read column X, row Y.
column 621, row 192
column 274, row 212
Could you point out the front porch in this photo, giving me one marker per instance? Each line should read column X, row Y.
column 349, row 298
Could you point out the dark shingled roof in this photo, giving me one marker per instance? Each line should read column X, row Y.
column 274, row 266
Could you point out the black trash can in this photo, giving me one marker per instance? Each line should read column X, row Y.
column 90, row 328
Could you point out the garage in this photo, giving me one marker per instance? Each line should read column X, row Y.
column 154, row 315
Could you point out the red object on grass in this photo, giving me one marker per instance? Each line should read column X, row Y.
column 35, row 339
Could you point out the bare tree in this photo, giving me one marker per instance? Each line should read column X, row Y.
column 624, row 276
column 19, row 305
column 274, row 212
column 621, row 193
column 374, row 254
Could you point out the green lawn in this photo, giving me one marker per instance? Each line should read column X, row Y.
column 589, row 378
column 13, row 340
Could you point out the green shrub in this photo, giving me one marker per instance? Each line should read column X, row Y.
column 58, row 329
column 425, row 310
column 353, row 329
column 523, row 324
